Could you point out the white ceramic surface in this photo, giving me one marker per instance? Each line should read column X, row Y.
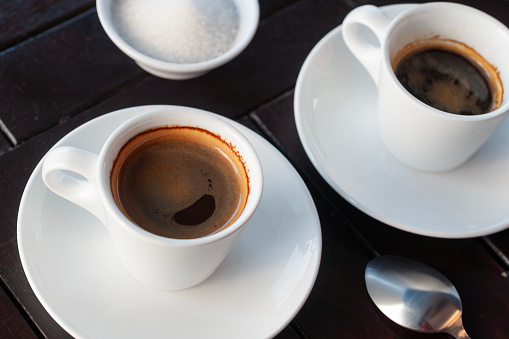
column 417, row 134
column 336, row 117
column 160, row 262
column 73, row 269
column 249, row 12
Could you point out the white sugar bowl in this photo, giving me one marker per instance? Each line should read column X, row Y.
column 179, row 39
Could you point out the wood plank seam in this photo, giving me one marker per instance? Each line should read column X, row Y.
column 14, row 42
column 19, row 306
column 46, row 32
column 122, row 87
column 496, row 252
column 8, row 133
column 298, row 330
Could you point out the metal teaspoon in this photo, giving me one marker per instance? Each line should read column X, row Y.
column 415, row 295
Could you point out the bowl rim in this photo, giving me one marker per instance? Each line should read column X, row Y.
column 253, row 11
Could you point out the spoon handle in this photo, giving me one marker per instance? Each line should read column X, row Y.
column 462, row 334
column 457, row 330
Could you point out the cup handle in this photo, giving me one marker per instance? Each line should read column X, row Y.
column 71, row 173
column 369, row 54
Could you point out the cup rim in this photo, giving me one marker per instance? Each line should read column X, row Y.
column 254, row 172
column 502, row 109
column 136, row 55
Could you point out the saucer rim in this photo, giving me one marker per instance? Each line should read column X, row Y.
column 366, row 208
column 35, row 178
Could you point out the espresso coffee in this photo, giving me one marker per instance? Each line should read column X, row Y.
column 179, row 182
column 448, row 76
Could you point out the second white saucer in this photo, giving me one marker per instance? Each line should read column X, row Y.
column 336, row 117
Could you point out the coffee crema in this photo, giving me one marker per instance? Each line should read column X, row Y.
column 179, row 182
column 449, row 76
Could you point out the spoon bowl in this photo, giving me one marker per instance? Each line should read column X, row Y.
column 415, row 295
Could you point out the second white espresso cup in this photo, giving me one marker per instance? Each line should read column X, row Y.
column 161, row 262
column 417, row 134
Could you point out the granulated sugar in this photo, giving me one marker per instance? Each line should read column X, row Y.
column 180, row 31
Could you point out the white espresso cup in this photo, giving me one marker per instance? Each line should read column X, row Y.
column 417, row 134
column 160, row 262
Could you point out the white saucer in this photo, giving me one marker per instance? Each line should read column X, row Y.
column 335, row 112
column 262, row 284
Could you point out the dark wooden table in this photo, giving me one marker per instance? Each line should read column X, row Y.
column 58, row 70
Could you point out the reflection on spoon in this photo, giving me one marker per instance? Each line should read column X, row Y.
column 414, row 295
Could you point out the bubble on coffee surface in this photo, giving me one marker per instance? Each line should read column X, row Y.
column 179, row 182
column 198, row 212
column 445, row 80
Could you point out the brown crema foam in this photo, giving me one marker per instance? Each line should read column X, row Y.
column 179, row 182
column 449, row 75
